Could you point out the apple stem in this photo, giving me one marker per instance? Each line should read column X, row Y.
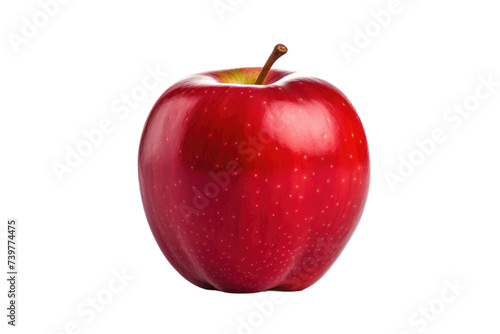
column 278, row 51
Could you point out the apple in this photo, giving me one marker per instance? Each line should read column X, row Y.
column 253, row 179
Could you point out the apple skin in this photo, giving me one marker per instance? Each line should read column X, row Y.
column 249, row 188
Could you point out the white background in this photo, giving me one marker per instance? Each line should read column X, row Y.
column 441, row 224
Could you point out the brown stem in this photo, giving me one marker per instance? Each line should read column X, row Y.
column 278, row 51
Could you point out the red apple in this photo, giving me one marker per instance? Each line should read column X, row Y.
column 250, row 187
